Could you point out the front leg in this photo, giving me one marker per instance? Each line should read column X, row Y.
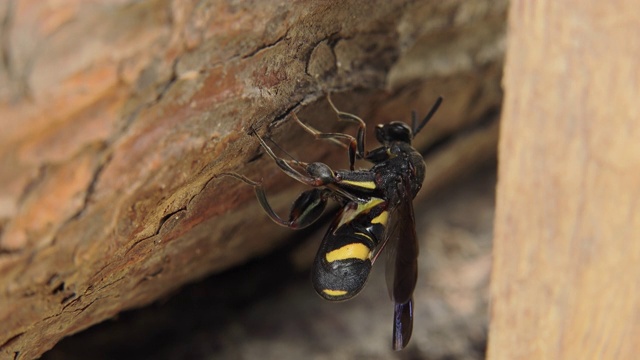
column 378, row 155
column 316, row 174
column 333, row 137
column 358, row 143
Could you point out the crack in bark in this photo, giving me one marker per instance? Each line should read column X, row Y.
column 110, row 284
column 165, row 218
column 70, row 303
column 84, row 308
column 136, row 243
column 285, row 114
column 164, row 88
column 239, row 56
column 263, row 47
column 89, row 192
column 67, row 299
column 332, row 39
column 11, row 340
column 162, row 222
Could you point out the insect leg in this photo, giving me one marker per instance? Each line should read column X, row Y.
column 333, row 137
column 307, row 208
column 358, row 142
column 378, row 155
column 286, row 166
column 262, row 197
column 317, row 173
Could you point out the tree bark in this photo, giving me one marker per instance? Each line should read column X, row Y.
column 117, row 119
column 566, row 275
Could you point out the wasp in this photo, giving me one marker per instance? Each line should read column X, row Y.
column 376, row 212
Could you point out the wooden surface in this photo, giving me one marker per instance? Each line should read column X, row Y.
column 117, row 117
column 566, row 275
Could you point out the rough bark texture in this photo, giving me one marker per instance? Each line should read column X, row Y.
column 566, row 277
column 117, row 117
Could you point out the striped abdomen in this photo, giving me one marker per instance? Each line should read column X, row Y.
column 343, row 261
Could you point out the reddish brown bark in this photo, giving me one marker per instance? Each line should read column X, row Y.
column 117, row 118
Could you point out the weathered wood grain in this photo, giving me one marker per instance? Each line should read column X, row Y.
column 566, row 275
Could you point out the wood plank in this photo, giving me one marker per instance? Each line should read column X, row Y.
column 566, row 276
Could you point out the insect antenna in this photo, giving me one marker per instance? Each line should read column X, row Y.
column 434, row 108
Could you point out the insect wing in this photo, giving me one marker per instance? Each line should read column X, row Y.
column 402, row 253
column 402, row 267
column 402, row 324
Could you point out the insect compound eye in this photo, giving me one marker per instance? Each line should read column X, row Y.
column 380, row 134
column 321, row 171
column 394, row 131
column 307, row 208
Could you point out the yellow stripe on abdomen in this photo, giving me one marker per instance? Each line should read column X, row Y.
column 334, row 292
column 349, row 251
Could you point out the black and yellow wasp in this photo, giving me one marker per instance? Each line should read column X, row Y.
column 377, row 212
